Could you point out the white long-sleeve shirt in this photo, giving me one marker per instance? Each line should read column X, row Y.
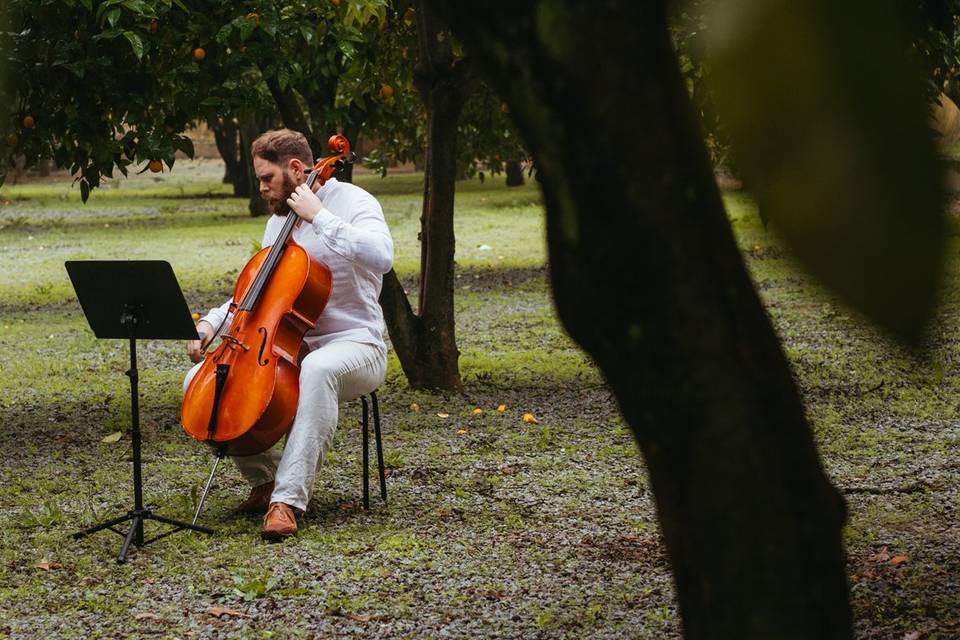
column 351, row 237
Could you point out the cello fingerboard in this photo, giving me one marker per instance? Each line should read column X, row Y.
column 266, row 270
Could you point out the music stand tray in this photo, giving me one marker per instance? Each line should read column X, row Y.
column 133, row 299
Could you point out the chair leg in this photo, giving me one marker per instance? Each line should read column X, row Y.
column 366, row 454
column 376, row 433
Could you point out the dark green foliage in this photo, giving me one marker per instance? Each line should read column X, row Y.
column 930, row 26
column 829, row 122
column 108, row 83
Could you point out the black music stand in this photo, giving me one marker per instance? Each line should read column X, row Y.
column 132, row 299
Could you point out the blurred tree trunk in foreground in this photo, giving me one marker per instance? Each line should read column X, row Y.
column 647, row 277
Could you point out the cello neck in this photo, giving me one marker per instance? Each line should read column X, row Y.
column 270, row 263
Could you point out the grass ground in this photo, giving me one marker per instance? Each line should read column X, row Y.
column 494, row 528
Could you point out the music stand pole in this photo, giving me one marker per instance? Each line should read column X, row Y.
column 130, row 321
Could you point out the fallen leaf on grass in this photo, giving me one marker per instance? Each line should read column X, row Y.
column 219, row 612
column 461, row 431
column 895, row 560
column 414, row 406
column 148, row 616
column 528, row 418
column 46, row 565
column 880, row 556
column 443, row 415
column 357, row 617
column 501, row 408
column 477, row 411
column 113, row 437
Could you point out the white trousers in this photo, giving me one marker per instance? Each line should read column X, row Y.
column 334, row 373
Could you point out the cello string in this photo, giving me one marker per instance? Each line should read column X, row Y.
column 270, row 263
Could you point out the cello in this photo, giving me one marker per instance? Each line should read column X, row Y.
column 244, row 396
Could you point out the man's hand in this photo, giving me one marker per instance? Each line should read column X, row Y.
column 195, row 347
column 305, row 203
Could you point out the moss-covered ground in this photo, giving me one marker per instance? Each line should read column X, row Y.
column 494, row 527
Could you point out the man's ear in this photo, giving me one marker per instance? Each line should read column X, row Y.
column 297, row 167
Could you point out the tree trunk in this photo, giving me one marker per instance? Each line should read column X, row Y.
column 647, row 277
column 514, row 173
column 290, row 111
column 425, row 341
column 225, row 135
column 250, row 127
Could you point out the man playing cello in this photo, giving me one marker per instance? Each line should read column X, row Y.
column 343, row 227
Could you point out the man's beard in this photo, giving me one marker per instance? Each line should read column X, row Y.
column 278, row 206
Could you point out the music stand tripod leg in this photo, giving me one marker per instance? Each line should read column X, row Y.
column 103, row 525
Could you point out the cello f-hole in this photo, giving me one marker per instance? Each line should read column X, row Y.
column 262, row 331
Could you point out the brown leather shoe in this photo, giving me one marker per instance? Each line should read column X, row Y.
column 258, row 500
column 279, row 523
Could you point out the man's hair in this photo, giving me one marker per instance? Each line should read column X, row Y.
column 280, row 146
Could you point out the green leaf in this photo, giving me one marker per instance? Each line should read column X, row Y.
column 116, row 435
column 223, row 35
column 76, row 68
column 184, row 144
column 268, row 23
column 135, row 42
column 829, row 124
column 138, row 6
column 246, row 27
column 108, row 34
column 307, row 33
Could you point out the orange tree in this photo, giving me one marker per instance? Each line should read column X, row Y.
column 74, row 72
column 99, row 85
column 432, row 109
column 485, row 135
